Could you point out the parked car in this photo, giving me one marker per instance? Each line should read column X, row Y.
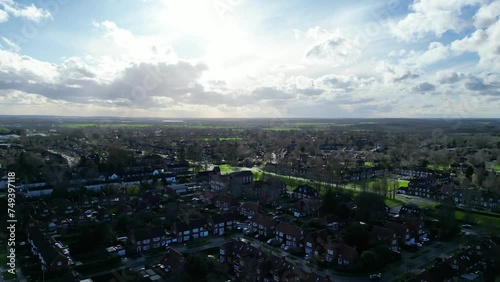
column 272, row 240
column 257, row 236
column 376, row 276
column 467, row 226
column 286, row 248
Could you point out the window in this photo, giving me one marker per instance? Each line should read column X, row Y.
column 59, row 263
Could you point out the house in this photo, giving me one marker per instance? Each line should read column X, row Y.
column 411, row 212
column 402, row 232
column 124, row 209
column 173, row 260
column 218, row 182
column 289, row 234
column 79, row 217
column 193, row 229
column 177, row 169
column 249, row 209
column 416, row 228
column 226, row 202
column 262, row 225
column 385, row 236
column 241, row 257
column 54, row 256
column 304, row 192
column 316, row 243
column 332, row 221
column 208, row 196
column 306, row 207
column 272, row 270
column 345, row 254
column 220, row 223
column 241, row 177
column 439, row 273
column 104, row 215
column 146, row 239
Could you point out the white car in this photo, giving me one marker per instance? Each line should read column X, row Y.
column 286, row 248
column 272, row 240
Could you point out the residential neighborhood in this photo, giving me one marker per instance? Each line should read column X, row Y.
column 292, row 211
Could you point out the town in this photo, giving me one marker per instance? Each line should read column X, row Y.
column 251, row 199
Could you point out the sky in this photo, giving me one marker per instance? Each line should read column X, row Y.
column 245, row 59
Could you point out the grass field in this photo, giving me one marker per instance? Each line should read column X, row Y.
column 496, row 167
column 436, row 167
column 484, row 220
column 226, row 169
column 403, row 183
column 393, row 202
column 80, row 125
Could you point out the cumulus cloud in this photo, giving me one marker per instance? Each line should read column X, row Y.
column 487, row 15
column 484, row 42
column 18, row 10
column 336, row 50
column 424, row 87
column 396, row 73
column 432, row 17
column 449, row 77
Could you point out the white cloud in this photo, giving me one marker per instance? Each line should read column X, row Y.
column 396, row 73
column 487, row 15
column 11, row 45
column 18, row 10
column 432, row 17
column 335, row 50
column 3, row 16
column 484, row 42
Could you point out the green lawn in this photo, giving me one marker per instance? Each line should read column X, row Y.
column 484, row 220
column 226, row 169
column 436, row 167
column 496, row 167
column 403, row 183
column 369, row 164
column 393, row 202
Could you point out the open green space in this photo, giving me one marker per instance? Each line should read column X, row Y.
column 496, row 166
column 80, row 125
column 225, row 169
column 403, row 183
column 482, row 219
column 436, row 167
column 393, row 202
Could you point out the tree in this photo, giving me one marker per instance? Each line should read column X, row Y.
column 492, row 182
column 370, row 260
column 478, row 176
column 356, row 235
column 369, row 206
column 448, row 225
